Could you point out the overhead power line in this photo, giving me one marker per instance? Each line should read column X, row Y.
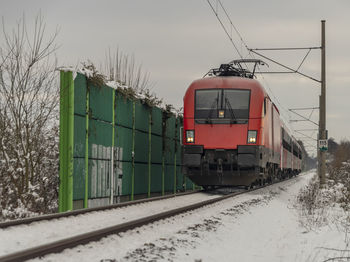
column 305, row 135
column 234, row 27
column 285, row 48
column 303, row 117
column 224, row 28
column 215, row 11
column 287, row 67
column 228, row 31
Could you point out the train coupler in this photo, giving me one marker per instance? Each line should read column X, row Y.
column 219, row 166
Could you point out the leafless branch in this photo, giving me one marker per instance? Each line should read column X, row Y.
column 336, row 258
column 28, row 101
column 334, row 249
column 122, row 68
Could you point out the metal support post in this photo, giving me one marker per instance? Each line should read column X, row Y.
column 133, row 152
column 66, row 141
column 163, row 175
column 87, row 109
column 175, row 151
column 149, row 151
column 164, row 127
column 322, row 125
column 111, row 200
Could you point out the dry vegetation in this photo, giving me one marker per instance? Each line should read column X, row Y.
column 29, row 124
column 341, row 154
column 329, row 204
column 317, row 202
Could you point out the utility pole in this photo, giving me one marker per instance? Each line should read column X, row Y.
column 322, row 133
column 322, row 143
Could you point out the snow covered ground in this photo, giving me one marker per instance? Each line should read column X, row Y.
column 37, row 233
column 263, row 225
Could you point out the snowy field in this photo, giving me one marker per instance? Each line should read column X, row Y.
column 38, row 233
column 263, row 225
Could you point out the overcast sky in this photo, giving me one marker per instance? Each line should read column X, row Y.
column 179, row 41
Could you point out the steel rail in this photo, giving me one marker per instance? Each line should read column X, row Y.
column 29, row 220
column 96, row 235
column 85, row 238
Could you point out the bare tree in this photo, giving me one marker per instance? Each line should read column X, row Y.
column 28, row 105
column 341, row 154
column 123, row 69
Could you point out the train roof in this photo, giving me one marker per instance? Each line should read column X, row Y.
column 233, row 82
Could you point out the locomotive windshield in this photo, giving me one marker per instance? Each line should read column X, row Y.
column 222, row 106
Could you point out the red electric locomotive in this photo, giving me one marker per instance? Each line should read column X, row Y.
column 232, row 132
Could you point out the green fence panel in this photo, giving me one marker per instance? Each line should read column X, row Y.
column 141, row 178
column 189, row 184
column 156, row 185
column 156, row 149
column 79, row 179
column 170, row 127
column 178, row 141
column 126, row 185
column 100, row 133
column 169, row 178
column 101, row 103
column 141, row 121
column 157, row 115
column 99, row 176
column 179, row 179
column 100, row 150
column 169, row 151
column 80, row 84
column 79, row 136
column 123, row 139
column 178, row 154
column 123, row 111
column 141, row 146
column 157, row 166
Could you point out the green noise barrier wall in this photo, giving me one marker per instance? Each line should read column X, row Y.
column 114, row 148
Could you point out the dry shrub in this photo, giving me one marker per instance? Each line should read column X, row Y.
column 312, row 205
column 29, row 101
column 341, row 176
column 321, row 205
column 342, row 154
column 307, row 196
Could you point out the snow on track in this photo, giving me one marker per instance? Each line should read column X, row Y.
column 258, row 226
column 21, row 237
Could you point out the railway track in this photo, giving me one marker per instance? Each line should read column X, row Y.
column 70, row 242
column 26, row 221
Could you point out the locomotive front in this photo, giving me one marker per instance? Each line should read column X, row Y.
column 223, row 131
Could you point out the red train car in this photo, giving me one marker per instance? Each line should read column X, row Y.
column 233, row 134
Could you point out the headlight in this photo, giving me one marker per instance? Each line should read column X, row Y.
column 190, row 136
column 252, row 136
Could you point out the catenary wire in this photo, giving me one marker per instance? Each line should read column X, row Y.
column 285, row 112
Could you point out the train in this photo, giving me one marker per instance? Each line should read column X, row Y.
column 233, row 134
